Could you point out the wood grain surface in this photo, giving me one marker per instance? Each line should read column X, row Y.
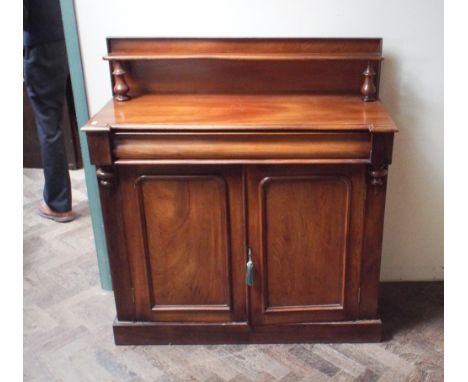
column 244, row 46
column 185, row 242
column 304, row 229
column 188, row 112
column 242, row 146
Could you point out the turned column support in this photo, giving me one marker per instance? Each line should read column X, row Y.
column 372, row 240
column 120, row 86
column 368, row 89
column 106, row 176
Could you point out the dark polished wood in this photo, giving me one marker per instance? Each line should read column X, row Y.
column 368, row 88
column 244, row 66
column 245, row 46
column 185, row 239
column 100, row 146
column 234, row 149
column 120, row 85
column 238, row 146
column 305, row 231
column 148, row 333
column 227, row 112
column 111, row 199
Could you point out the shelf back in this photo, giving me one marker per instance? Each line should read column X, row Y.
column 245, row 66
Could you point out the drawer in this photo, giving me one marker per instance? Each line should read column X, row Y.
column 243, row 146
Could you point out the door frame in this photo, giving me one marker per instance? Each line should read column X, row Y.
column 82, row 116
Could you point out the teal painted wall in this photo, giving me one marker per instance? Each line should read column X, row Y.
column 82, row 116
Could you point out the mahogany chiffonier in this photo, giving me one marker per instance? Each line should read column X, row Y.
column 242, row 185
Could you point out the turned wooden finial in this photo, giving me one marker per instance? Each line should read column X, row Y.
column 368, row 88
column 120, row 86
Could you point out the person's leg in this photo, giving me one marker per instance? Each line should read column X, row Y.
column 46, row 71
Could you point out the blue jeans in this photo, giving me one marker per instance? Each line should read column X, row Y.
column 45, row 70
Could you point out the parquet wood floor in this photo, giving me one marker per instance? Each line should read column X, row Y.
column 68, row 335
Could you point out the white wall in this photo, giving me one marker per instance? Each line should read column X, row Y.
column 412, row 88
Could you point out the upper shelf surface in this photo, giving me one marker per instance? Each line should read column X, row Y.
column 215, row 112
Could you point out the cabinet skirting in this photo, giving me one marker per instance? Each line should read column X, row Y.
column 150, row 333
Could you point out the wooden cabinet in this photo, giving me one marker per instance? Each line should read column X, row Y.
column 240, row 206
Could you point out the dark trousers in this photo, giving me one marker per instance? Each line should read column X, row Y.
column 45, row 72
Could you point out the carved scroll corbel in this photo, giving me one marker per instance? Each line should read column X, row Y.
column 378, row 176
column 368, row 89
column 120, row 86
column 106, row 176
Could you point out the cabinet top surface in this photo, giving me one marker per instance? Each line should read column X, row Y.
column 220, row 112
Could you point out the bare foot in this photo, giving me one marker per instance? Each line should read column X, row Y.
column 60, row 217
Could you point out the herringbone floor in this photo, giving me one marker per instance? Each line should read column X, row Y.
column 68, row 336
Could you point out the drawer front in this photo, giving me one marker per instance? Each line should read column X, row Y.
column 241, row 146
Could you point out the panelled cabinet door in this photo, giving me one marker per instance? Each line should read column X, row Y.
column 305, row 228
column 185, row 242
